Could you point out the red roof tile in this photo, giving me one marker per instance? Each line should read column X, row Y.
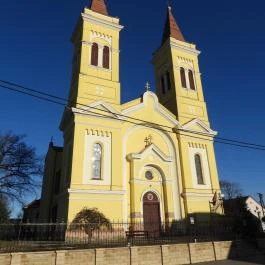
column 171, row 28
column 99, row 6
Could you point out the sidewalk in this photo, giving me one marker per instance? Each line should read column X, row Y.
column 258, row 260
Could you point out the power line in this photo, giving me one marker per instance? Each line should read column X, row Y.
column 31, row 95
column 147, row 124
column 91, row 113
column 122, row 115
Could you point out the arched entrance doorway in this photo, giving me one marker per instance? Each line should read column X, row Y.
column 151, row 214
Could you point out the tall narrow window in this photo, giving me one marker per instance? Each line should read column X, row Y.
column 96, row 161
column 168, row 81
column 94, row 54
column 191, row 79
column 163, row 85
column 198, row 165
column 183, row 77
column 106, row 57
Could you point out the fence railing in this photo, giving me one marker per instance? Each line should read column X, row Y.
column 28, row 236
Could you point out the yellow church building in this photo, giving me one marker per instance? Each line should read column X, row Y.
column 148, row 159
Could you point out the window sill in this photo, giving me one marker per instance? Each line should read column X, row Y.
column 189, row 89
column 100, row 68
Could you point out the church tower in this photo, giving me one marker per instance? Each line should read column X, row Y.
column 111, row 159
column 95, row 64
column 179, row 89
column 178, row 78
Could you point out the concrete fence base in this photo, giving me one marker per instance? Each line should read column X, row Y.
column 142, row 255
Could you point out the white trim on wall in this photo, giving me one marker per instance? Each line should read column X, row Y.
column 205, row 168
column 173, row 170
column 106, row 166
column 105, row 192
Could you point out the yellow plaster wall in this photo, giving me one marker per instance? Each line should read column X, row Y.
column 92, row 84
column 110, row 205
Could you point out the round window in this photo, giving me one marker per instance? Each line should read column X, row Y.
column 149, row 175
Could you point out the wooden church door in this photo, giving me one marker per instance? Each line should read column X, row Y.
column 151, row 213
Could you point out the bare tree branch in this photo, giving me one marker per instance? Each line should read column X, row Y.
column 230, row 190
column 20, row 168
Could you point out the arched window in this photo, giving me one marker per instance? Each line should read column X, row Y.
column 191, row 79
column 96, row 161
column 168, row 81
column 199, row 173
column 106, row 56
column 94, row 54
column 163, row 85
column 183, row 77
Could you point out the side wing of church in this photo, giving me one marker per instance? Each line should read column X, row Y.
column 149, row 159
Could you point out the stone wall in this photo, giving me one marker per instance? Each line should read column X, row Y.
column 202, row 252
column 141, row 255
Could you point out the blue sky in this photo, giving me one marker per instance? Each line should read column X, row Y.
column 35, row 51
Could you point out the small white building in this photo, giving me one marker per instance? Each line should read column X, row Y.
column 254, row 207
column 234, row 207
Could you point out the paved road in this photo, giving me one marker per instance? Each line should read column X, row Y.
column 260, row 260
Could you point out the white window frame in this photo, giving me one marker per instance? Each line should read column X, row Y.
column 205, row 168
column 106, row 168
column 100, row 56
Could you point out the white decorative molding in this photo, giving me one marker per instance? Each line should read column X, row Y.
column 151, row 148
column 93, row 199
column 206, row 129
column 157, row 107
column 157, row 172
column 174, row 169
column 101, row 22
column 99, row 132
column 99, row 108
column 195, row 194
column 107, row 38
column 105, row 192
column 185, row 63
column 156, row 183
column 205, row 168
column 104, row 139
column 181, row 47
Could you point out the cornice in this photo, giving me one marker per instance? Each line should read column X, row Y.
column 101, row 22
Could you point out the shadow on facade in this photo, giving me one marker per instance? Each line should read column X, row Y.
column 237, row 237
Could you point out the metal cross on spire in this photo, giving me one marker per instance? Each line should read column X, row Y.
column 147, row 86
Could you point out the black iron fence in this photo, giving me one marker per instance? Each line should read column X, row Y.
column 48, row 236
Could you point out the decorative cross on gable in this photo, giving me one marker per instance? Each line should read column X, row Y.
column 147, row 86
column 148, row 140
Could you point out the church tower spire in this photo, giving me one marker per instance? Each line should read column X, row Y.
column 96, row 57
column 178, row 78
column 99, row 6
column 171, row 28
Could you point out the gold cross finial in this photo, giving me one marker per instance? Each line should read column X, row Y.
column 147, row 86
column 148, row 140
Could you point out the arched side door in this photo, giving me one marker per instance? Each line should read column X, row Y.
column 151, row 214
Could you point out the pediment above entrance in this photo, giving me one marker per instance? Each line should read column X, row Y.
column 196, row 125
column 151, row 152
